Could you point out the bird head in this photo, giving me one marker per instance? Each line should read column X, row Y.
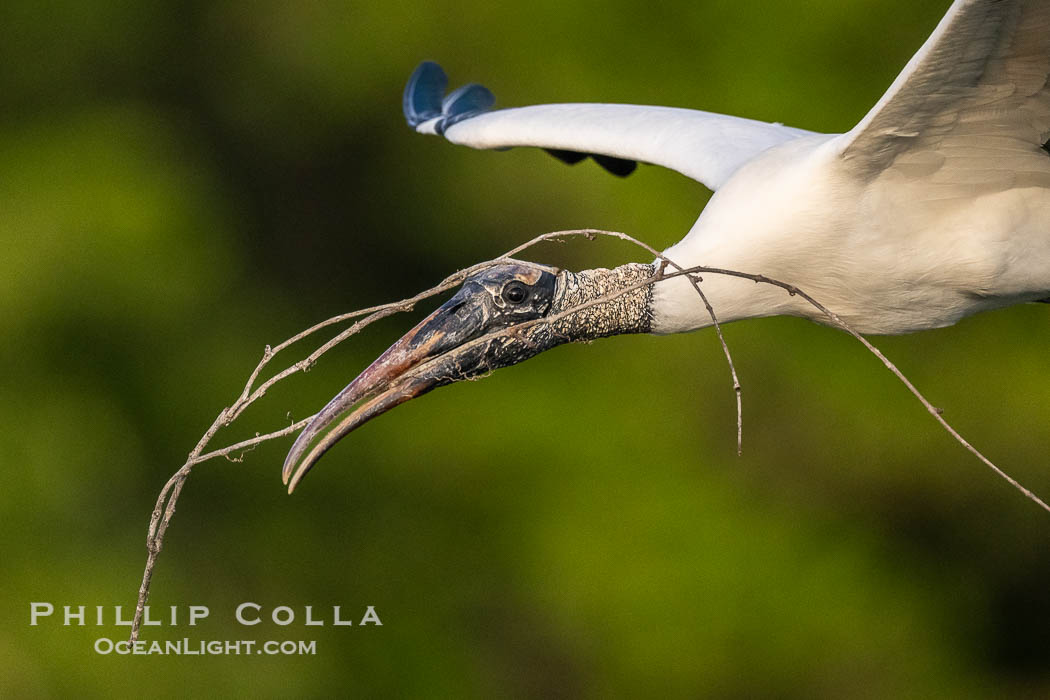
column 501, row 316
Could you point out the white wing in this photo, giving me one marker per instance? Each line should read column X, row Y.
column 971, row 107
column 703, row 146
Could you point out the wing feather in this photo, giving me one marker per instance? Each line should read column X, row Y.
column 703, row 146
column 977, row 86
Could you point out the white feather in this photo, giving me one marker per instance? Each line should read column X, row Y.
column 703, row 146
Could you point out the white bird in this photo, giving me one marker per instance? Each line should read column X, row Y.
column 935, row 206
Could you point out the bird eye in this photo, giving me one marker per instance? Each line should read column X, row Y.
column 515, row 293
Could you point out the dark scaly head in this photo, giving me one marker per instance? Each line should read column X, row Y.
column 497, row 318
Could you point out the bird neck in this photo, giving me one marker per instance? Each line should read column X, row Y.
column 631, row 312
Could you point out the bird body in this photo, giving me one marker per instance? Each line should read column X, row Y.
column 885, row 255
column 935, row 206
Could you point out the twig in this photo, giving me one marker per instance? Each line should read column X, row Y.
column 164, row 509
column 694, row 280
column 591, row 234
column 791, row 290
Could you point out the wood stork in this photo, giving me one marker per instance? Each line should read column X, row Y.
column 936, row 205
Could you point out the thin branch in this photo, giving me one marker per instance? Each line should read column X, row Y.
column 164, row 508
column 250, row 444
column 592, row 233
column 791, row 290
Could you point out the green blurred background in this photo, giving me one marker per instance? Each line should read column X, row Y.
column 181, row 184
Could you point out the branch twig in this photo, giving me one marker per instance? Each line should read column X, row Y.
column 164, row 509
column 169, row 494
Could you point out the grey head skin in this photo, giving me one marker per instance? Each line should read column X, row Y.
column 496, row 319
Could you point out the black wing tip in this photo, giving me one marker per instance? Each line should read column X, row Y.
column 620, row 167
column 567, row 157
column 424, row 98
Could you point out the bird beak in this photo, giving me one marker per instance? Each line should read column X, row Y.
column 400, row 374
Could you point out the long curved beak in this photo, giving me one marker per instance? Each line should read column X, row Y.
column 389, row 382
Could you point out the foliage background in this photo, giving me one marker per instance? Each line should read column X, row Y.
column 182, row 183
